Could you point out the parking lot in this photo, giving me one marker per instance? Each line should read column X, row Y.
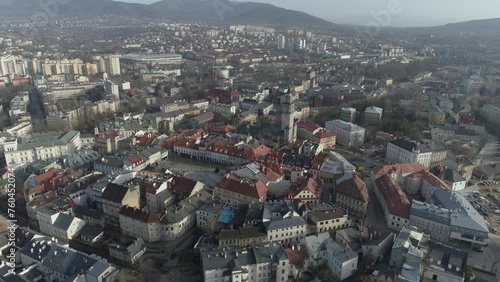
column 485, row 197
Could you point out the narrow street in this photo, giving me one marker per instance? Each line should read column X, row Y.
column 37, row 111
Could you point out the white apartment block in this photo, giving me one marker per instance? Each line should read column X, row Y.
column 223, row 109
column 260, row 263
column 348, row 134
column 26, row 151
column 60, row 225
column 402, row 151
column 286, row 231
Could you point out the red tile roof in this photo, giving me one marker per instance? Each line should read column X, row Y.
column 297, row 254
column 404, row 169
column 182, row 184
column 307, row 125
column 261, row 151
column 140, row 215
column 396, row 200
column 315, row 186
column 431, row 178
column 234, row 183
column 318, row 161
column 353, row 187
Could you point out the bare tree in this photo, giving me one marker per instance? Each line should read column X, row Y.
column 493, row 259
column 212, row 226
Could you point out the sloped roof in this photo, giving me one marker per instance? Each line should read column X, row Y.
column 396, row 200
column 234, row 183
column 353, row 187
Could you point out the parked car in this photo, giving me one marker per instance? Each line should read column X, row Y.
column 478, row 249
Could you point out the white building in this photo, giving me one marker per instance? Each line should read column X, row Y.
column 373, row 115
column 259, row 263
column 393, row 201
column 348, row 134
column 281, row 42
column 322, row 248
column 60, row 225
column 402, row 151
column 26, row 151
column 223, row 109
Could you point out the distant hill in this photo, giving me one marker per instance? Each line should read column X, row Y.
column 211, row 12
column 488, row 27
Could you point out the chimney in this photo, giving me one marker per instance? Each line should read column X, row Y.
column 371, row 237
column 293, row 247
column 298, row 247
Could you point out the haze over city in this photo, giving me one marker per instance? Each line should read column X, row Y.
column 213, row 141
column 414, row 13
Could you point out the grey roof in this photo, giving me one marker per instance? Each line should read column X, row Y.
column 447, row 256
column 63, row 221
column 463, row 214
column 91, row 231
column 284, row 223
column 235, row 259
column 67, row 261
column 431, row 212
column 98, row 268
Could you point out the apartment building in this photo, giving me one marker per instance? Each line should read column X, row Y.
column 348, row 134
column 372, row 116
column 352, row 194
column 114, row 197
column 394, row 202
column 241, row 190
column 265, row 262
column 403, row 151
column 41, row 148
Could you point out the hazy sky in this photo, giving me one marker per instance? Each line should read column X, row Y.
column 408, row 13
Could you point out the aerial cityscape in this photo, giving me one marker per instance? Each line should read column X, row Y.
column 233, row 141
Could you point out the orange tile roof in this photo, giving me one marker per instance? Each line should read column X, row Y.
column 396, row 200
column 234, row 183
column 405, row 169
column 353, row 187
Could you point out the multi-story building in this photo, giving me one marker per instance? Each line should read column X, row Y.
column 261, row 263
column 110, row 64
column 307, row 190
column 152, row 58
column 449, row 218
column 372, row 116
column 446, row 264
column 49, row 67
column 436, row 115
column 348, row 115
column 403, row 151
column 114, row 198
column 41, row 148
column 394, row 202
column 241, row 190
column 329, row 218
column 62, row 226
column 348, row 134
column 408, row 243
column 281, row 42
column 446, row 133
column 128, row 253
column 57, row 262
column 323, row 249
column 491, row 113
column 352, row 194
column 140, row 224
column 159, row 197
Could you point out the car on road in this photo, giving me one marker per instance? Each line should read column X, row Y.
column 497, row 211
column 477, row 249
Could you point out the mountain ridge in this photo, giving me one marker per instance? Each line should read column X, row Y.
column 210, row 12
